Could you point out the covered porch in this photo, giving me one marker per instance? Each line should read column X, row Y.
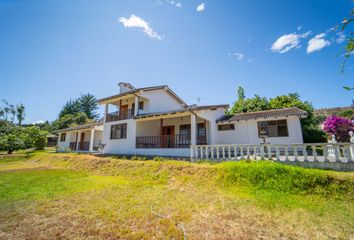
column 174, row 130
column 84, row 138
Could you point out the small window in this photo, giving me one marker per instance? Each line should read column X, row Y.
column 141, row 105
column 185, row 129
column 276, row 128
column 226, row 127
column 62, row 137
column 119, row 131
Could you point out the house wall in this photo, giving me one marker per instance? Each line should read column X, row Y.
column 118, row 146
column 160, row 101
column 246, row 132
column 66, row 143
column 97, row 138
column 211, row 116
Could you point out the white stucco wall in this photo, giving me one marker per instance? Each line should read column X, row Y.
column 66, row 143
column 117, row 146
column 159, row 101
column 246, row 132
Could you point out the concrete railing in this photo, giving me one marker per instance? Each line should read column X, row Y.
column 312, row 152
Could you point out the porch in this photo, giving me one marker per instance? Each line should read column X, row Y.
column 84, row 138
column 179, row 131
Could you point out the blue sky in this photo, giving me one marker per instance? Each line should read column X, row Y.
column 51, row 51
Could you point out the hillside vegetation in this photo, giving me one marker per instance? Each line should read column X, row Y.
column 76, row 196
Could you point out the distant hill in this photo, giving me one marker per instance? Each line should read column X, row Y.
column 341, row 111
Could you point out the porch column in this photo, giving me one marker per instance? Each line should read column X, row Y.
column 193, row 129
column 78, row 140
column 92, row 136
column 105, row 112
column 136, row 105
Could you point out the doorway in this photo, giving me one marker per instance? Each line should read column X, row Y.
column 168, row 136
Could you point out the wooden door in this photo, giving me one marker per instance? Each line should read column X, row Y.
column 201, row 133
column 168, row 136
column 82, row 139
column 123, row 111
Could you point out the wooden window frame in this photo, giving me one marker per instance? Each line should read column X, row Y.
column 277, row 124
column 222, row 127
column 123, row 127
column 62, row 137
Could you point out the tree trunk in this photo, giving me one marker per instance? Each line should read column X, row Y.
column 9, row 151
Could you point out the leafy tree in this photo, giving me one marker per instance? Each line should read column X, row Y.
column 20, row 113
column 35, row 137
column 248, row 105
column 11, row 137
column 70, row 120
column 8, row 111
column 89, row 105
column 71, row 107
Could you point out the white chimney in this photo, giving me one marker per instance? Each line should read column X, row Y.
column 125, row 87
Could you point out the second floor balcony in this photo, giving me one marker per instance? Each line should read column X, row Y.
column 120, row 115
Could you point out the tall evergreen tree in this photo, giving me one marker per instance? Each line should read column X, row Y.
column 20, row 113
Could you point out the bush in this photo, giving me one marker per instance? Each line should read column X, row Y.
column 288, row 179
column 314, row 135
column 40, row 143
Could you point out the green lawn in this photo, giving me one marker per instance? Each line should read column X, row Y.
column 76, row 196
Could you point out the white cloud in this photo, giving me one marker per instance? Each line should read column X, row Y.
column 200, row 7
column 135, row 21
column 39, row 122
column 288, row 42
column 237, row 55
column 299, row 28
column 317, row 43
column 341, row 37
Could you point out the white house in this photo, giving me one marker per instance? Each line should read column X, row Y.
column 155, row 121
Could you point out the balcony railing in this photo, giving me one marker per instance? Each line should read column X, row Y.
column 164, row 141
column 120, row 115
column 83, row 146
column 72, row 145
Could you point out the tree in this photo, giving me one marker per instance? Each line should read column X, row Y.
column 89, row 105
column 11, row 137
column 8, row 111
column 70, row 120
column 242, row 104
column 71, row 107
column 338, row 126
column 35, row 137
column 20, row 113
column 349, row 47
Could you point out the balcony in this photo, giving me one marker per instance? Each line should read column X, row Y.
column 83, row 146
column 167, row 141
column 120, row 115
column 164, row 141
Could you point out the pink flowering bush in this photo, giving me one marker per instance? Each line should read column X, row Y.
column 338, row 126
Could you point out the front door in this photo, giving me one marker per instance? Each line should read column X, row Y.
column 201, row 134
column 168, row 137
column 123, row 111
column 81, row 144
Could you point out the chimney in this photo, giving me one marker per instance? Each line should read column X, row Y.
column 125, row 87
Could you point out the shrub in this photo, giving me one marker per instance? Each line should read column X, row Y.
column 339, row 126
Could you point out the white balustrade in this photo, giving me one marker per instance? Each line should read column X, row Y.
column 312, row 152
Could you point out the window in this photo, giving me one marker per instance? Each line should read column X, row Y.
column 185, row 129
column 62, row 137
column 141, row 105
column 226, row 127
column 119, row 131
column 276, row 128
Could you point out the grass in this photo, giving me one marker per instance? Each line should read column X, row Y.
column 78, row 196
